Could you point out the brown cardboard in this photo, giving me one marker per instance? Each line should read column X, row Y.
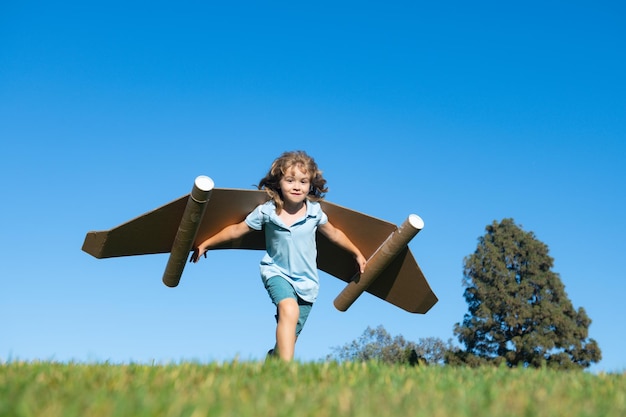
column 402, row 282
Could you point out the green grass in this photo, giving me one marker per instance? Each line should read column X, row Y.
column 302, row 389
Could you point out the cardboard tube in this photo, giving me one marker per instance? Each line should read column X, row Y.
column 187, row 230
column 377, row 263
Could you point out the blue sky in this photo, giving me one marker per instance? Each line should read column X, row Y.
column 461, row 113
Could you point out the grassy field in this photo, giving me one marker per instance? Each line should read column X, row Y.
column 302, row 389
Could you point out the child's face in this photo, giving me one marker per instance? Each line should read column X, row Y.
column 295, row 185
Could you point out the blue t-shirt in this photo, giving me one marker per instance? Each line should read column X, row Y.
column 291, row 251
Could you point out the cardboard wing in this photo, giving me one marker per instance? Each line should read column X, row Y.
column 168, row 229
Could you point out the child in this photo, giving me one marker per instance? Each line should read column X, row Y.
column 290, row 220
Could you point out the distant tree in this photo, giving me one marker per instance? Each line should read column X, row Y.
column 519, row 313
column 378, row 345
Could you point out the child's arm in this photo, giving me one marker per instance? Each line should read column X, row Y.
column 338, row 237
column 231, row 232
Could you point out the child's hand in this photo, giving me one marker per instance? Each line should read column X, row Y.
column 361, row 261
column 195, row 256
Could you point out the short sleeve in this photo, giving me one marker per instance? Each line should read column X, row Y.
column 323, row 218
column 255, row 219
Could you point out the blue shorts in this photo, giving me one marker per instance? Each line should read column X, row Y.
column 278, row 289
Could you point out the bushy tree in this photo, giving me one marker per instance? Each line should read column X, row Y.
column 519, row 313
column 378, row 345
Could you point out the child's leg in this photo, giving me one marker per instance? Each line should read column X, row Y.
column 288, row 315
column 304, row 308
column 291, row 314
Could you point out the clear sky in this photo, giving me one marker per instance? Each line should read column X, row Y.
column 463, row 113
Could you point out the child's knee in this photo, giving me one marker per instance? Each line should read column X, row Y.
column 289, row 310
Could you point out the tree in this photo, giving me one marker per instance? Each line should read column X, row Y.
column 378, row 345
column 519, row 313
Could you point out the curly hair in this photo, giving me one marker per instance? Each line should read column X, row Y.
column 301, row 160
